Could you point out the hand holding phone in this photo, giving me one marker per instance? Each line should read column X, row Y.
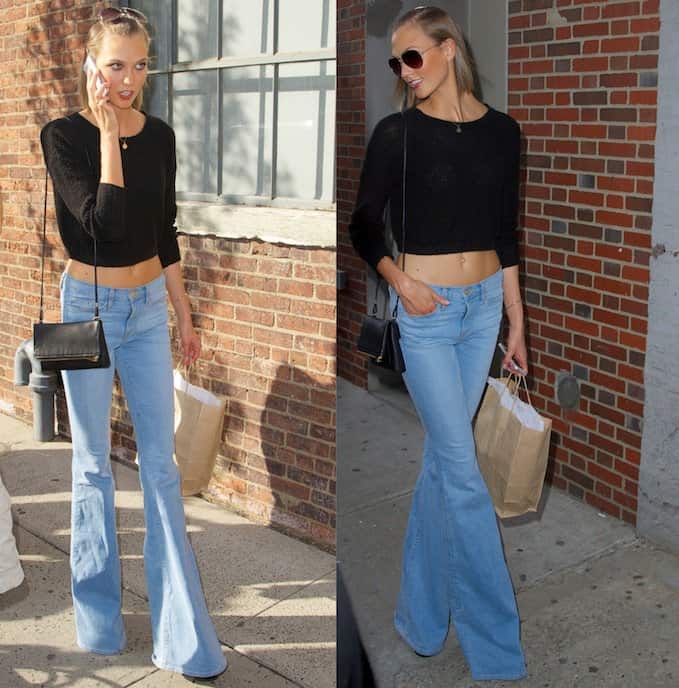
column 90, row 66
column 515, row 367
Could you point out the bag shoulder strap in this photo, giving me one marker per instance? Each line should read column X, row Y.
column 403, row 185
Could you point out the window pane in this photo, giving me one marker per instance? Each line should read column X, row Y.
column 306, row 25
column 247, row 125
column 247, row 27
column 197, row 25
column 155, row 96
column 196, row 125
column 306, row 130
column 160, row 28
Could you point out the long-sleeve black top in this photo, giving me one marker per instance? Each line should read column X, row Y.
column 131, row 223
column 461, row 188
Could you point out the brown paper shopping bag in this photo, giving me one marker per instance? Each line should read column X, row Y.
column 198, row 423
column 512, row 445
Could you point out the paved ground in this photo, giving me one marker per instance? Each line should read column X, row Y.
column 271, row 597
column 599, row 607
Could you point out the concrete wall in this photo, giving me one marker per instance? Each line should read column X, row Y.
column 658, row 517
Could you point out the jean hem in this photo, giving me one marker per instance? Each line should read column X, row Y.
column 188, row 671
column 414, row 646
column 500, row 677
column 98, row 650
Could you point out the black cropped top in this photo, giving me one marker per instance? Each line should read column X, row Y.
column 461, row 188
column 131, row 223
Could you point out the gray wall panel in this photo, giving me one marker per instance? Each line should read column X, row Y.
column 658, row 516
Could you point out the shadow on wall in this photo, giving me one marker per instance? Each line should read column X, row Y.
column 300, row 419
column 278, row 455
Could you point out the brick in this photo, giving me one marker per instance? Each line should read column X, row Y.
column 621, row 9
column 609, row 477
column 590, row 64
column 591, row 29
column 619, row 80
column 577, row 477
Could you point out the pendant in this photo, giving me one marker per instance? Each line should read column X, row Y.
column 124, row 144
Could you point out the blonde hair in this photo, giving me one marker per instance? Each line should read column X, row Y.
column 126, row 25
column 439, row 26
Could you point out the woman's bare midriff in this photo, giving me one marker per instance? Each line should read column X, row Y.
column 451, row 269
column 126, row 277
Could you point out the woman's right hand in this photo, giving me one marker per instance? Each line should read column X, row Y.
column 417, row 297
column 100, row 106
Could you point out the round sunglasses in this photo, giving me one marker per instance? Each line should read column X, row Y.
column 410, row 58
column 114, row 15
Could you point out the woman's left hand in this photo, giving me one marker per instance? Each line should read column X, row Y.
column 190, row 341
column 516, row 349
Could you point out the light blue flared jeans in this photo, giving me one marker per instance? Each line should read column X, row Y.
column 136, row 329
column 453, row 563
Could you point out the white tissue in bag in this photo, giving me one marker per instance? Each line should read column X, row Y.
column 525, row 413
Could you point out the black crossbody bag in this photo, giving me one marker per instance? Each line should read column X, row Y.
column 73, row 345
column 380, row 338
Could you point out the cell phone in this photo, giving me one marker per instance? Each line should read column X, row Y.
column 515, row 366
column 90, row 66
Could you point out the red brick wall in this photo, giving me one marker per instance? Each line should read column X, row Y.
column 351, row 135
column 266, row 313
column 583, row 85
column 267, row 321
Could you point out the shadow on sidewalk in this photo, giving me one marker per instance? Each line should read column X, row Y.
column 271, row 598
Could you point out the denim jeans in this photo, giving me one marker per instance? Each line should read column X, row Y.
column 453, row 563
column 136, row 330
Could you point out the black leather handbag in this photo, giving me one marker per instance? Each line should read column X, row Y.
column 380, row 337
column 72, row 345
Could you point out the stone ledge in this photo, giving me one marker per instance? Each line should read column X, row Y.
column 296, row 227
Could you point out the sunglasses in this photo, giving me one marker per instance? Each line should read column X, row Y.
column 410, row 58
column 114, row 15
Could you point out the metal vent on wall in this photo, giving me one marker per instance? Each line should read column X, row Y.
column 567, row 391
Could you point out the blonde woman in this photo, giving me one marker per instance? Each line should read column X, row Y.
column 113, row 171
column 459, row 263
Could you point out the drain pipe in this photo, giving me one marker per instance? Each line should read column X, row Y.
column 28, row 371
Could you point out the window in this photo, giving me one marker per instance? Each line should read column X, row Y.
column 249, row 88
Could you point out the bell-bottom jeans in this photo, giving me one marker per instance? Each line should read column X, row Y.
column 453, row 562
column 136, row 328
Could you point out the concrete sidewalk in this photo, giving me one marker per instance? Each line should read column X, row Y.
column 272, row 598
column 598, row 606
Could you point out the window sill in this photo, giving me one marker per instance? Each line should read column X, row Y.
column 298, row 227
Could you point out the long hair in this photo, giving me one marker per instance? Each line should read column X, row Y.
column 126, row 25
column 439, row 26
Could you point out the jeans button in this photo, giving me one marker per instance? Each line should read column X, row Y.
column 467, row 291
